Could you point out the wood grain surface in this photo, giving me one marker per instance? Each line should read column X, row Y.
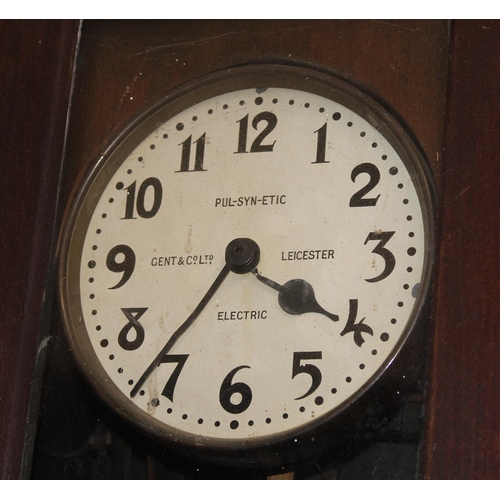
column 35, row 80
column 123, row 66
column 463, row 435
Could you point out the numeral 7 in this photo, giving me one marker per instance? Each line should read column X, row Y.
column 180, row 359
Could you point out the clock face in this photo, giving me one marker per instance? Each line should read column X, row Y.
column 247, row 257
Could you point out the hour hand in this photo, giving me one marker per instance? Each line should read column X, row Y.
column 296, row 296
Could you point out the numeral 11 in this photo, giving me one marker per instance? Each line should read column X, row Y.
column 186, row 154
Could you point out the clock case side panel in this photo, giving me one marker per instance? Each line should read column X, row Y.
column 310, row 440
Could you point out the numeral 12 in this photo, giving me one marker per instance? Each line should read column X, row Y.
column 256, row 146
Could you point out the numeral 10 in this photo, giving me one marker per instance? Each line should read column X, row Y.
column 139, row 203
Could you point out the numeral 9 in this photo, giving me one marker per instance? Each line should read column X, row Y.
column 125, row 265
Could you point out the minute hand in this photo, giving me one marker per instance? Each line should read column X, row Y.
column 296, row 296
column 177, row 334
column 242, row 255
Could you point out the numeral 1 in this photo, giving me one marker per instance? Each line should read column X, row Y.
column 199, row 154
column 321, row 146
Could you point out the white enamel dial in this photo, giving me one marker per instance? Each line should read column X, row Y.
column 330, row 201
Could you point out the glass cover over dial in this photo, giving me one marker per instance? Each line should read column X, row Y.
column 246, row 259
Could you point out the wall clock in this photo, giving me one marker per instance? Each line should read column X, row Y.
column 246, row 259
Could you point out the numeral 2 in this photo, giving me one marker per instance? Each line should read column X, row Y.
column 358, row 200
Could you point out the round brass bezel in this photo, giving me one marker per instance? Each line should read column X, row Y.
column 101, row 171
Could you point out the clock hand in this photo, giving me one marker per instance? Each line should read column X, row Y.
column 295, row 296
column 242, row 255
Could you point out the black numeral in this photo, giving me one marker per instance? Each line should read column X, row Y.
column 180, row 359
column 390, row 260
column 257, row 146
column 357, row 328
column 358, row 200
column 125, row 266
column 132, row 314
column 321, row 145
column 311, row 370
column 142, row 211
column 198, row 157
column 228, row 389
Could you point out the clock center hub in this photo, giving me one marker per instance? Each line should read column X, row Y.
column 242, row 255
